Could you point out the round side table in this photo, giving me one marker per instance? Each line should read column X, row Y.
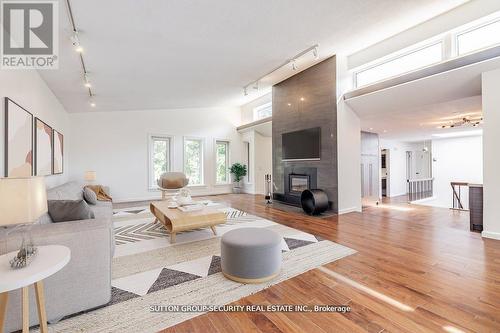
column 49, row 260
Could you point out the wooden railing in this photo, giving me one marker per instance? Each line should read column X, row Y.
column 458, row 191
column 419, row 189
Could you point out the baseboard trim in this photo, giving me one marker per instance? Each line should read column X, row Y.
column 349, row 210
column 491, row 235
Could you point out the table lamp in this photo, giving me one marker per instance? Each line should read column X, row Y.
column 90, row 176
column 22, row 201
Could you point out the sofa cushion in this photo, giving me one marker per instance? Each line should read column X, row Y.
column 67, row 191
column 89, row 196
column 102, row 210
column 69, row 210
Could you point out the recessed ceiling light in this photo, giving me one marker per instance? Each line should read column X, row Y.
column 371, row 128
column 302, row 99
column 289, row 104
column 385, row 131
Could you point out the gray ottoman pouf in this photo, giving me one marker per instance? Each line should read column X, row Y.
column 251, row 255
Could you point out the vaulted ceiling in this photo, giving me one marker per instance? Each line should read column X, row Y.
column 155, row 54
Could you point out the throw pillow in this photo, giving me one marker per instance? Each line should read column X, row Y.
column 69, row 210
column 89, row 196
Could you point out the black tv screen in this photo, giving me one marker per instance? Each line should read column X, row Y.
column 302, row 145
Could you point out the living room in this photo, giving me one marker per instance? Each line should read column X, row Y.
column 195, row 167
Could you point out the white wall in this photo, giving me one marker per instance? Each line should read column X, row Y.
column 349, row 158
column 491, row 151
column 455, row 159
column 115, row 145
column 396, row 162
column 263, row 161
column 26, row 88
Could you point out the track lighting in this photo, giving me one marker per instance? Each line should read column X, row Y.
column 76, row 42
column 87, row 83
column 289, row 62
column 316, row 53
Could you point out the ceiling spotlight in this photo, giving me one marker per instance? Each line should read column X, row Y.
column 302, row 99
column 294, row 64
column 76, row 42
column 87, row 83
column 92, row 104
column 245, row 92
column 316, row 53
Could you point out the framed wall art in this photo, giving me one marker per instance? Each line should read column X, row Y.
column 43, row 148
column 58, row 153
column 18, row 140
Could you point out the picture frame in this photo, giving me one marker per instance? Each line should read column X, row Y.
column 57, row 152
column 18, row 140
column 43, row 148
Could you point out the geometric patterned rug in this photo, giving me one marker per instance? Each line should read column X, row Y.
column 148, row 270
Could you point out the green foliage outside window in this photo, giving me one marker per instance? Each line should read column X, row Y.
column 192, row 161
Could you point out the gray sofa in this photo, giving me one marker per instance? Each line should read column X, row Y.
column 85, row 283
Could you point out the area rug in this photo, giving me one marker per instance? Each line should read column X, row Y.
column 149, row 271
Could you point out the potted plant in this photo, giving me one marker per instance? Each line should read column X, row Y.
column 239, row 171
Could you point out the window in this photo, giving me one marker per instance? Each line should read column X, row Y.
column 408, row 62
column 479, row 38
column 263, row 111
column 159, row 157
column 222, row 162
column 193, row 160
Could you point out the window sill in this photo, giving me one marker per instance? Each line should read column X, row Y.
column 222, row 184
column 197, row 186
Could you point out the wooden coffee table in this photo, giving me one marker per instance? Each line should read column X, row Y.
column 176, row 220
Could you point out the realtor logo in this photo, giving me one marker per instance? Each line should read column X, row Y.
column 29, row 35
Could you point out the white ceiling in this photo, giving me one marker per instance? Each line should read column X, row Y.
column 413, row 111
column 197, row 53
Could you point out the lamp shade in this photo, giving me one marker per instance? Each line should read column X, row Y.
column 22, row 200
column 90, row 176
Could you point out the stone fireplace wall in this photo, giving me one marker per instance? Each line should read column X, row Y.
column 308, row 100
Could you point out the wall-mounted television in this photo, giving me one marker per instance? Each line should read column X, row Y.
column 303, row 145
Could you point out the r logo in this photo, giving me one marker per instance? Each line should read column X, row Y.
column 29, row 34
column 28, row 28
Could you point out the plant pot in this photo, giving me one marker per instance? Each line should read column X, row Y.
column 237, row 188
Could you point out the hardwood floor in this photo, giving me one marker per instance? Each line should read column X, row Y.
column 418, row 269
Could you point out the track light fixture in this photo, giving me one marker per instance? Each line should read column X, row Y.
column 76, row 42
column 291, row 62
column 86, row 83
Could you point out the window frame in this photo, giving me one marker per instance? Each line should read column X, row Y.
column 256, row 109
column 228, row 161
column 151, row 139
column 469, row 30
column 202, row 158
column 398, row 56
